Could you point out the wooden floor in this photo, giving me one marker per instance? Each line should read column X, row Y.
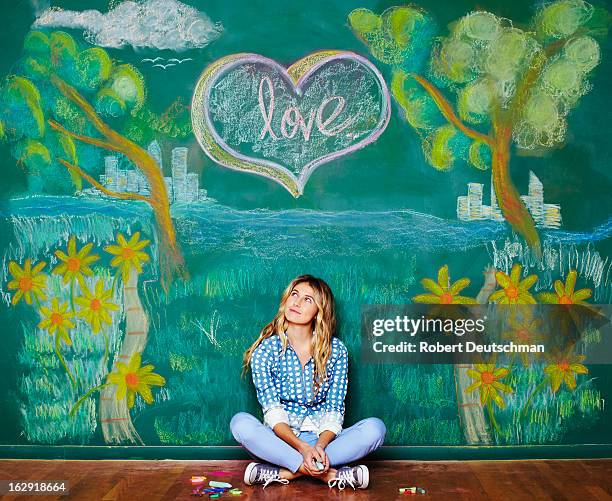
column 469, row 480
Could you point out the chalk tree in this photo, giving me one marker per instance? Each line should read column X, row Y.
column 63, row 107
column 488, row 85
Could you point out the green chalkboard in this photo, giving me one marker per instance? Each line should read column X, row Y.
column 164, row 181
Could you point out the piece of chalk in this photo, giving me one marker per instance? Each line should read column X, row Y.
column 320, row 466
column 197, row 480
column 214, row 495
column 220, row 473
column 214, row 483
column 235, row 492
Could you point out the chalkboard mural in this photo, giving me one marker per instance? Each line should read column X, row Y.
column 163, row 181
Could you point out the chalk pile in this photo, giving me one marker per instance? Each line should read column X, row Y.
column 215, row 489
column 411, row 490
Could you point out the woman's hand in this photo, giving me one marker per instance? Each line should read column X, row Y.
column 312, row 454
column 322, row 454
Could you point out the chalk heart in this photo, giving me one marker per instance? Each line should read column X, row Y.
column 251, row 114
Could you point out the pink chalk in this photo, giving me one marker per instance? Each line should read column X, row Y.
column 220, row 473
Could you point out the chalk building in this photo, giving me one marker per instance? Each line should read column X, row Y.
column 111, row 169
column 179, row 174
column 154, row 149
column 182, row 186
column 471, row 208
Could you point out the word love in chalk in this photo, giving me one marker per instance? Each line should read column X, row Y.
column 251, row 114
column 292, row 118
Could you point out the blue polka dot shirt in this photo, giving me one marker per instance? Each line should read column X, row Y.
column 286, row 392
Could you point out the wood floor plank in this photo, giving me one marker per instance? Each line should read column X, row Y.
column 497, row 483
column 539, row 486
column 457, row 480
column 596, row 493
column 603, row 482
column 101, row 476
column 552, row 475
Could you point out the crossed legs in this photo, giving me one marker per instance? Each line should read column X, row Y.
column 351, row 444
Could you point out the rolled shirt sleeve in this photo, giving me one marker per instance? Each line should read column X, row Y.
column 333, row 408
column 262, row 362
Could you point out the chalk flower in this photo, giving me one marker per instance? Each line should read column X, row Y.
column 75, row 264
column 56, row 320
column 128, row 254
column 513, row 289
column 565, row 293
column 132, row 379
column 524, row 329
column 28, row 282
column 486, row 379
column 95, row 306
column 442, row 292
column 564, row 369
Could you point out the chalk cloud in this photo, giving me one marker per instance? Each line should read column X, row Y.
column 152, row 24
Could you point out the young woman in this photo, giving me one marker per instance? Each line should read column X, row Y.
column 300, row 374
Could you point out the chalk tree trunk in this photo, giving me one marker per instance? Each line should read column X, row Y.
column 115, row 416
column 471, row 411
column 510, row 203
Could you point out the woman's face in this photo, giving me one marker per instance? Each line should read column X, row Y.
column 300, row 307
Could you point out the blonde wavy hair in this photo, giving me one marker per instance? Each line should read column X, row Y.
column 323, row 327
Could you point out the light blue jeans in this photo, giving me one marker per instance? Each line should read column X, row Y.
column 351, row 444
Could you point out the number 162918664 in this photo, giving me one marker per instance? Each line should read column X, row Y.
column 37, row 487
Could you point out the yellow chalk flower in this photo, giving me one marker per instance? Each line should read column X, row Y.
column 128, row 255
column 75, row 263
column 131, row 379
column 564, row 369
column 564, row 293
column 57, row 319
column 524, row 329
column 514, row 290
column 28, row 281
column 487, row 378
column 95, row 306
column 442, row 292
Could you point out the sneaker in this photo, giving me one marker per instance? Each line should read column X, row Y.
column 262, row 473
column 355, row 476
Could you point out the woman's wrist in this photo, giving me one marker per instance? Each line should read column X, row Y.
column 284, row 432
column 325, row 438
column 303, row 447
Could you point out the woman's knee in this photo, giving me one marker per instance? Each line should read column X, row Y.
column 375, row 430
column 240, row 425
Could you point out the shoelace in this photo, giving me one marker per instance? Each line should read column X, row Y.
column 343, row 477
column 271, row 476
